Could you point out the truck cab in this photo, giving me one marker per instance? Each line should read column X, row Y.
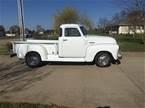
column 72, row 41
column 73, row 45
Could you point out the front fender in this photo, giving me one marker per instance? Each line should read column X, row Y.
column 93, row 50
column 39, row 49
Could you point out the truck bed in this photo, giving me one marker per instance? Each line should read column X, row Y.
column 21, row 47
column 37, row 42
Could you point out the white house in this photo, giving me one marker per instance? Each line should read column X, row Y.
column 10, row 34
column 130, row 29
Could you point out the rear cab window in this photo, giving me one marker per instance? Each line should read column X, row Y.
column 60, row 32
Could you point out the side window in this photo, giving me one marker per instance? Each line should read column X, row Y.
column 60, row 32
column 72, row 32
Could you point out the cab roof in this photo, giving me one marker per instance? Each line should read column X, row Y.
column 70, row 25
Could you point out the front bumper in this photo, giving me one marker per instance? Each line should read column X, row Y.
column 119, row 55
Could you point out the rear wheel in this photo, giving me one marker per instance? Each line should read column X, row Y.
column 103, row 59
column 33, row 59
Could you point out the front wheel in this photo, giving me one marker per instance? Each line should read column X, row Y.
column 103, row 59
column 33, row 59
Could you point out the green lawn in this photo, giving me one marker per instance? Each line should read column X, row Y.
column 28, row 105
column 3, row 50
column 4, row 46
column 128, row 43
column 132, row 47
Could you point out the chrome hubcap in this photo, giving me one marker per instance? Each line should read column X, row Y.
column 103, row 60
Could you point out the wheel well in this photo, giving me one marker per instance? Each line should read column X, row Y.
column 112, row 59
column 32, row 52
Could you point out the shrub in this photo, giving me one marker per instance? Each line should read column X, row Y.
column 9, row 46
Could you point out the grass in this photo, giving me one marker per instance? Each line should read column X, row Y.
column 128, row 43
column 28, row 105
column 132, row 47
column 4, row 50
column 5, row 44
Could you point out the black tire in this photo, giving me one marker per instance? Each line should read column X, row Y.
column 33, row 59
column 103, row 59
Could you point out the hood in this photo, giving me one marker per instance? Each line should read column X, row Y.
column 101, row 39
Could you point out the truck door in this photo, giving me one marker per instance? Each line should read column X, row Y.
column 72, row 44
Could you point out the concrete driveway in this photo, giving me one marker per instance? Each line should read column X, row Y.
column 75, row 85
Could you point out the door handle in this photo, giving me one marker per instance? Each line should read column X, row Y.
column 92, row 42
column 65, row 40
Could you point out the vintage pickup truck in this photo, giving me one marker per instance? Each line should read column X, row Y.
column 73, row 45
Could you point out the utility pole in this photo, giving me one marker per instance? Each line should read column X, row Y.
column 21, row 19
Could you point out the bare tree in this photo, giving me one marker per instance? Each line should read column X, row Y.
column 119, row 17
column 14, row 29
column 86, row 21
column 136, row 18
column 135, row 10
column 102, row 24
column 71, row 15
column 2, row 28
column 67, row 15
column 129, row 5
column 39, row 29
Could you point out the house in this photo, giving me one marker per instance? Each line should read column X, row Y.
column 41, row 32
column 2, row 34
column 2, row 31
column 130, row 29
column 28, row 33
column 126, row 28
column 10, row 34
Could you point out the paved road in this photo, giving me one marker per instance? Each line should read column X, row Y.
column 78, row 86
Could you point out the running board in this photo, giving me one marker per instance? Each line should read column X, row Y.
column 59, row 59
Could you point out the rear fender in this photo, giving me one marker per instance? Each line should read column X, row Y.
column 39, row 49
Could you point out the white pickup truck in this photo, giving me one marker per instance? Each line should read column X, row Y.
column 73, row 45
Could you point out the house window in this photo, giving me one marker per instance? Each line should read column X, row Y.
column 138, row 27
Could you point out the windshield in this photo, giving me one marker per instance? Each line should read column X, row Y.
column 83, row 29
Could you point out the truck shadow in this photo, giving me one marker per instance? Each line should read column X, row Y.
column 68, row 63
column 17, row 77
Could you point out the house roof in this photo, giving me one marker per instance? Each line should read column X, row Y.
column 127, row 23
column 70, row 25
